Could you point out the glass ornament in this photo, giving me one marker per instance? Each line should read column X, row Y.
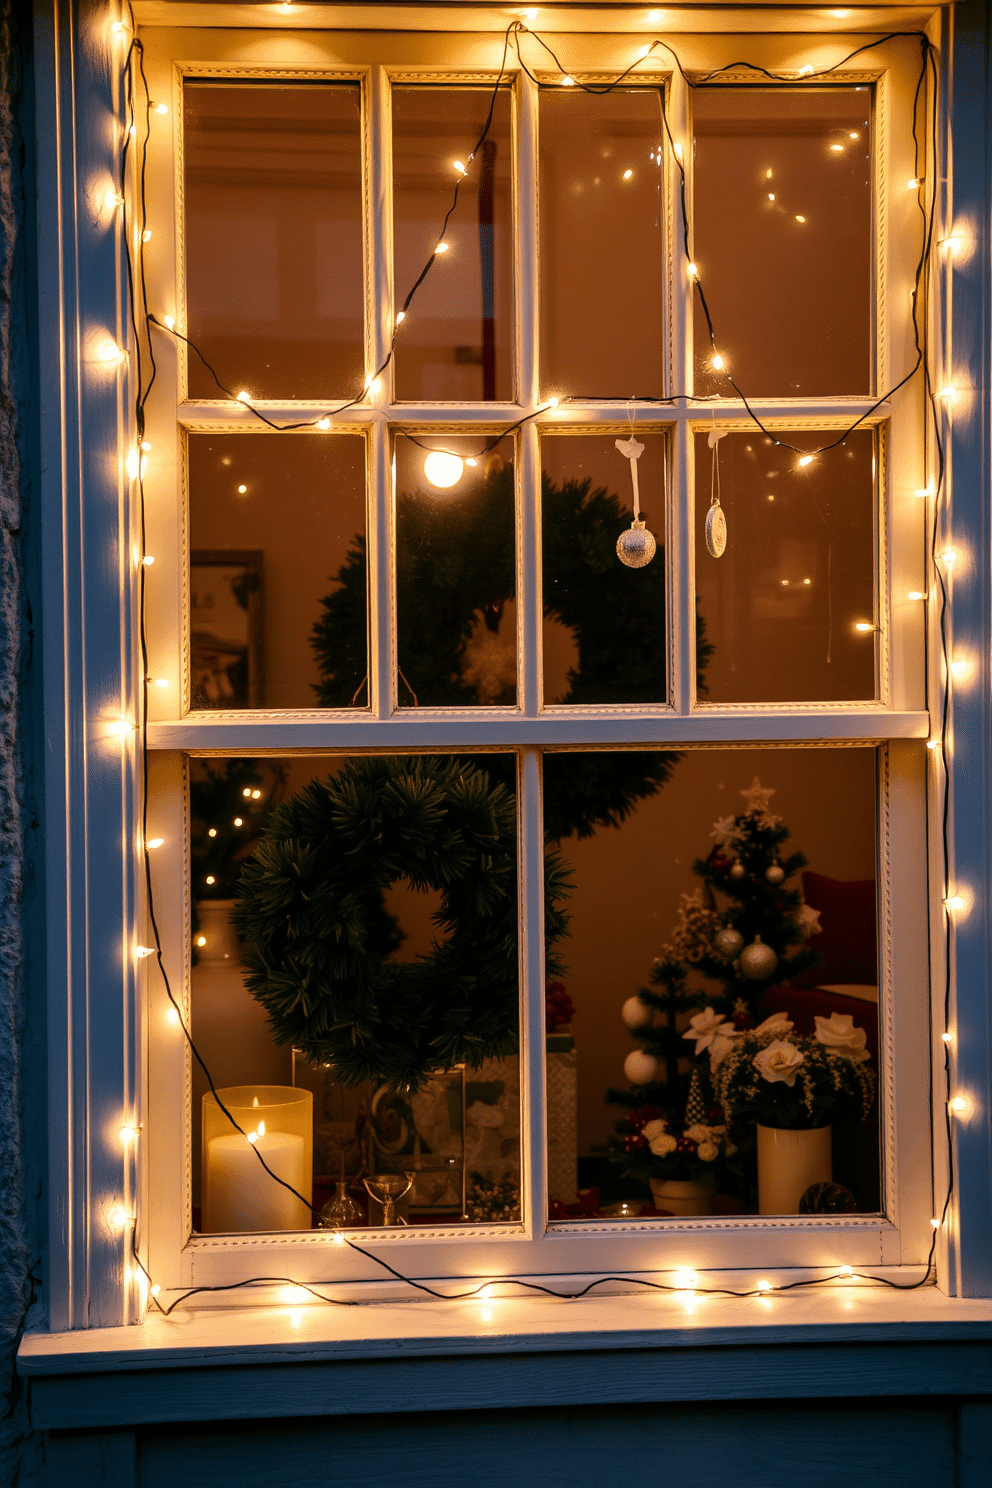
column 728, row 943
column 758, row 961
column 341, row 1212
column 636, row 547
column 775, row 873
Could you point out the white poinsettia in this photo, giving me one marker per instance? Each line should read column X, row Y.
column 838, row 1035
column 662, row 1144
column 707, row 1026
column 807, row 920
column 779, row 1061
column 722, row 1045
column 777, row 1023
column 652, row 1129
column 723, row 829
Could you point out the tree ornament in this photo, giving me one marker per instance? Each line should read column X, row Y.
column 640, row 1068
column 758, row 960
column 738, row 870
column 716, row 520
column 634, row 1013
column 775, row 873
column 728, row 942
column 318, row 938
column 695, row 1106
column 636, row 547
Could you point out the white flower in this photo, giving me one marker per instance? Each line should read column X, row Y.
column 777, row 1023
column 652, row 1129
column 808, row 920
column 839, row 1036
column 722, row 1045
column 707, row 1151
column 663, row 1144
column 705, row 1027
column 780, row 1061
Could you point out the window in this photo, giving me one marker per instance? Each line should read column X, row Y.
column 326, row 597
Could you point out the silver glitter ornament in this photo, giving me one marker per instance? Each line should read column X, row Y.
column 640, row 1068
column 636, row 547
column 737, row 871
column 727, row 943
column 775, row 874
column 758, row 960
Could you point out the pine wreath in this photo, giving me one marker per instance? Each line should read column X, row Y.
column 456, row 563
column 317, row 936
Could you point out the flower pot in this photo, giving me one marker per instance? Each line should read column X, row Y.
column 682, row 1198
column 788, row 1162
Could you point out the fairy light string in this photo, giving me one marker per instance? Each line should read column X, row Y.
column 682, row 1282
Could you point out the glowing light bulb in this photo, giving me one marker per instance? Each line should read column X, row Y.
column 113, row 200
column 950, row 556
column 530, row 14
column 400, row 317
column 169, row 322
column 339, row 1239
column 805, row 71
column 239, row 821
column 692, row 270
column 718, row 361
column 947, row 1038
column 460, row 168
column 212, row 832
column 201, row 941
column 374, row 385
column 847, row 1270
column 627, row 174
column 677, row 152
column 242, row 490
column 925, row 491
column 568, row 82
column 644, row 50
column 915, row 594
column 132, row 131
column 142, row 951
column 768, row 175
column 771, row 196
column 948, row 393
column 805, row 460
column 471, row 460
column 959, row 668
column 160, row 682
column 441, row 248
column 121, row 727
column 154, row 842
column 800, row 218
column 244, row 396
column 853, row 134
column 155, row 1289
column 685, row 1280
column 552, row 402
column 171, row 1013
column 952, row 243
column 836, row 149
column 914, row 184
column 246, row 791
column 864, row 626
column 109, row 351
column 959, row 1104
column 119, row 29
column 323, row 423
column 764, row 1286
column 210, row 879
column 654, row 15
column 256, row 795
column 252, row 1137
column 159, row 108
column 128, row 1134
column 146, row 236
column 935, row 1224
column 132, row 464
column 954, row 902
column 443, row 470
column 119, row 1217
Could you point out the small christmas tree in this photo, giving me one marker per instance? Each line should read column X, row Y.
column 742, row 932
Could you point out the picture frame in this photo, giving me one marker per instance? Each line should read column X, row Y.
column 226, row 636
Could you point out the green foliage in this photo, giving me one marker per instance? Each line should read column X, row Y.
column 310, row 910
column 222, row 793
column 455, row 565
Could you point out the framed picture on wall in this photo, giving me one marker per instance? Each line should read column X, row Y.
column 226, row 644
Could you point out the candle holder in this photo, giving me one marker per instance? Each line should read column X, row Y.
column 239, row 1196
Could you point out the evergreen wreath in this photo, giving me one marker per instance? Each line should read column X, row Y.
column 456, row 562
column 317, row 935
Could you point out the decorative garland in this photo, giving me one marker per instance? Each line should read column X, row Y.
column 317, row 936
column 461, row 565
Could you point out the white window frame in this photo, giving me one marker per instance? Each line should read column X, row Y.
column 112, row 1059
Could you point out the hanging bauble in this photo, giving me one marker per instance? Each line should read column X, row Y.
column 737, row 871
column 636, row 547
column 727, row 943
column 634, row 1013
column 758, row 960
column 640, row 1068
column 775, row 873
column 716, row 530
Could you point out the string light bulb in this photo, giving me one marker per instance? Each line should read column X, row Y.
column 373, row 385
column 400, row 317
column 914, row 184
column 132, row 464
column 244, row 396
column 677, row 152
column 692, row 270
column 948, row 393
column 864, row 626
column 805, row 460
column 154, row 842
column 171, row 1013
column 764, row 1286
column 950, row 556
column 147, row 561
column 121, row 727
column 947, row 1038
column 142, row 951
column 443, row 470
column 935, row 1224
column 805, row 71
column 119, row 1217
column 954, row 902
column 440, row 248
column 959, row 1104
column 169, row 322
column 129, row 1134
column 155, row 1290
column 685, row 1279
column 847, row 1270
column 916, row 594
column 323, row 423
column 242, row 490
column 552, row 402
column 459, row 167
column 718, row 362
column 800, row 217
column 567, row 82
column 160, row 682
column 159, row 108
column 113, row 200
column 109, row 351
column 959, row 668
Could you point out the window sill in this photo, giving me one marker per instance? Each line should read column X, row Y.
column 250, row 1363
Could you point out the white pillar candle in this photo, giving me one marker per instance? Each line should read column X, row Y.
column 240, row 1195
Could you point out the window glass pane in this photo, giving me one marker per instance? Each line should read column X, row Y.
column 456, row 610
column 604, row 623
column 278, row 607
column 358, row 1110
column 456, row 344
column 602, row 243
column 782, row 239
column 782, row 605
column 273, row 233
column 740, row 890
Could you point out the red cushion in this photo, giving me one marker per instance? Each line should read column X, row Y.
column 849, row 939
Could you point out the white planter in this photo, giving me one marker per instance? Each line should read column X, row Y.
column 681, row 1197
column 788, row 1162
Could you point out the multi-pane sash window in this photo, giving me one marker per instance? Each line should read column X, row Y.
column 415, row 591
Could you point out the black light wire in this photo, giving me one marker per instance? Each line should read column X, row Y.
column 143, row 389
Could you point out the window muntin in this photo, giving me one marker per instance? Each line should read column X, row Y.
column 750, row 723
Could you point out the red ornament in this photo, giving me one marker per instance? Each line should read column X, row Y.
column 559, row 1009
column 632, row 1144
column 743, row 1021
column 685, row 1147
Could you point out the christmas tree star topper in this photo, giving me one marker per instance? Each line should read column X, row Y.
column 757, row 795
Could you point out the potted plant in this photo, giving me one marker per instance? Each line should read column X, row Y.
column 793, row 1088
column 679, row 1160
